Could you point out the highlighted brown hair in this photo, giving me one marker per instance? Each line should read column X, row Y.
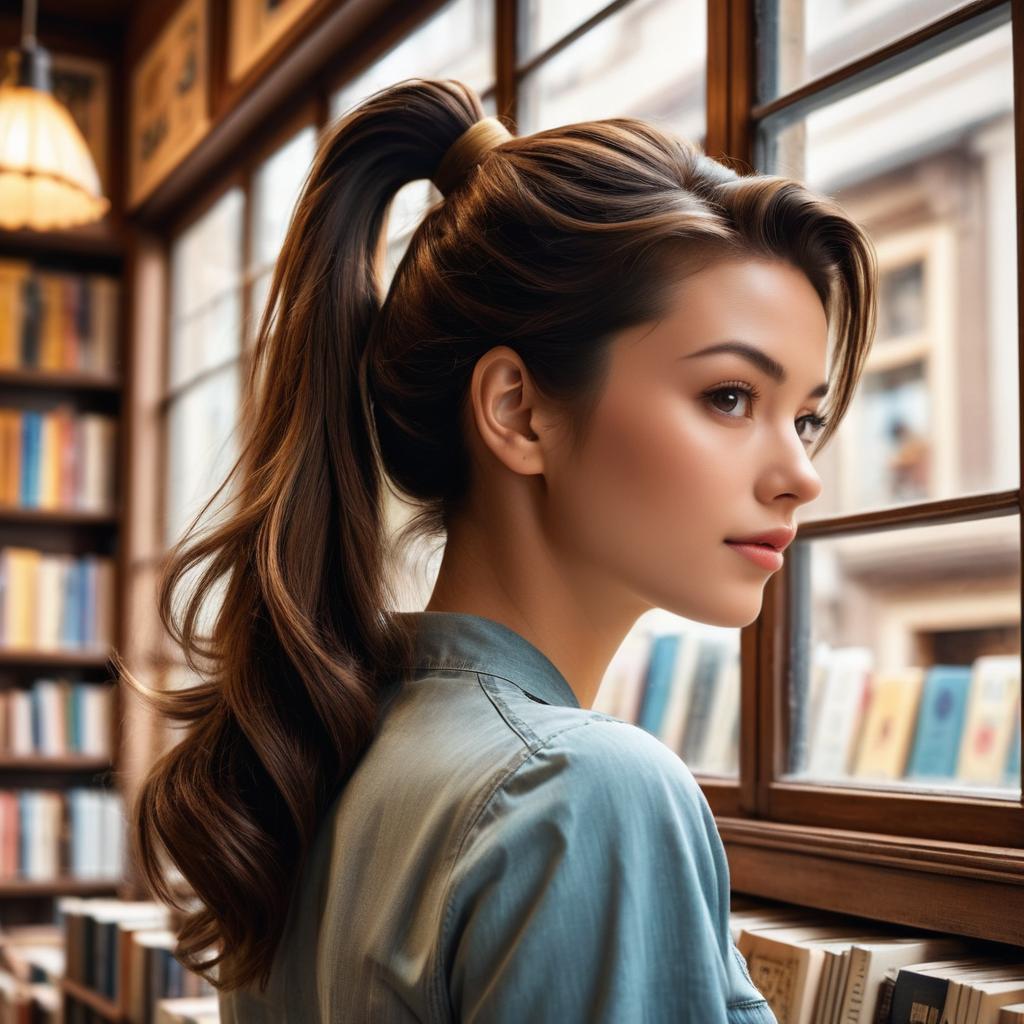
column 553, row 243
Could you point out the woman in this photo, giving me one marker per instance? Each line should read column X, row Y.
column 599, row 367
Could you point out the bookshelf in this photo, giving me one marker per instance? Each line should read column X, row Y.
column 61, row 438
column 61, row 372
column 67, row 742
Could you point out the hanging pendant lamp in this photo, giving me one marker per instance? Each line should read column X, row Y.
column 48, row 179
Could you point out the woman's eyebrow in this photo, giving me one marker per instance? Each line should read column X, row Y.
column 764, row 362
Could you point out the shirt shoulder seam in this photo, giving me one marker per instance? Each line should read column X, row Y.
column 485, row 802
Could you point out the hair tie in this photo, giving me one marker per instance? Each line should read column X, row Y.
column 466, row 152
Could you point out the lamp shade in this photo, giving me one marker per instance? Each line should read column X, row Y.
column 47, row 175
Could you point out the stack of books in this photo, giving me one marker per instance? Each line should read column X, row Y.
column 57, row 717
column 123, row 951
column 31, row 966
column 57, row 321
column 51, row 835
column 817, row 968
column 57, row 459
column 953, row 725
column 55, row 602
column 681, row 683
column 941, row 726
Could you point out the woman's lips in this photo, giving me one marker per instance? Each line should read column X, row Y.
column 759, row 554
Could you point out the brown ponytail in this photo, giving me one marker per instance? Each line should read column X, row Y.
column 552, row 244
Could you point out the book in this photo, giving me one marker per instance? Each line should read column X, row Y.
column 658, row 681
column 709, row 661
column 991, row 723
column 197, row 1010
column 888, row 728
column 871, row 958
column 683, row 672
column 721, row 747
column 786, row 964
column 844, row 688
column 940, row 722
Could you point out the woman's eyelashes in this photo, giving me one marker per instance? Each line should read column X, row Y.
column 752, row 394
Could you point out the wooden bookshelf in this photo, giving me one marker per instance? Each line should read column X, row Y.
column 27, row 887
column 65, row 763
column 28, row 657
column 51, row 380
column 56, row 517
column 65, row 530
column 94, row 1000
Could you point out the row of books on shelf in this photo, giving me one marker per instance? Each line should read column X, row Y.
column 947, row 723
column 818, row 968
column 682, row 686
column 812, row 967
column 57, row 717
column 58, row 321
column 96, row 931
column 57, row 459
column 50, row 834
column 55, row 601
column 118, row 949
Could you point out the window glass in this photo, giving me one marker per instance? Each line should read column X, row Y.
column 201, row 446
column 275, row 189
column 679, row 680
column 908, row 658
column 408, row 208
column 543, row 22
column 648, row 60
column 205, row 279
column 456, row 42
column 801, row 40
column 925, row 161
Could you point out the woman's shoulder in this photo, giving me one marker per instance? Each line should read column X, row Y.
column 602, row 769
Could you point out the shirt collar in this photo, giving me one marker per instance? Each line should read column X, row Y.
column 462, row 640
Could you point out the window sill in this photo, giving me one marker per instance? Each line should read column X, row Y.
column 953, row 888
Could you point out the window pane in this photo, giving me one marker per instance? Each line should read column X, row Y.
column 275, row 189
column 908, row 671
column 457, row 42
column 205, row 339
column 205, row 274
column 201, row 447
column 679, row 680
column 800, row 40
column 648, row 61
column 543, row 22
column 276, row 185
column 925, row 161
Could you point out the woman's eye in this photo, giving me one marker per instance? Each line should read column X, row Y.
column 731, row 396
column 817, row 425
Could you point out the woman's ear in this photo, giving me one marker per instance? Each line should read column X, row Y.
column 505, row 409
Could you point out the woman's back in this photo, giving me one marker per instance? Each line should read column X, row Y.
column 501, row 854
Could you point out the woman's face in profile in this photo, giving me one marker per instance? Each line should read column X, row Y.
column 687, row 450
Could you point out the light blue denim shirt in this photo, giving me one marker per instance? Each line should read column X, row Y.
column 502, row 855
